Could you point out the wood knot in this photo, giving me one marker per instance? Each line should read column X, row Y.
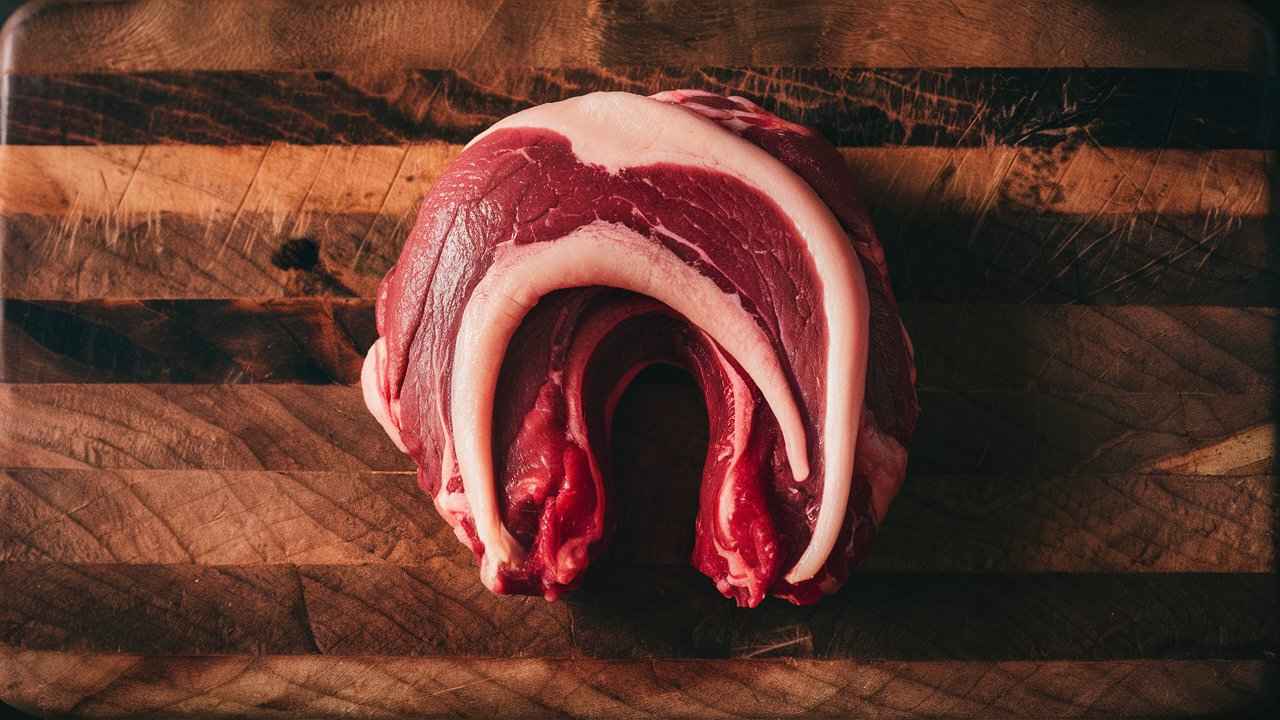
column 297, row 254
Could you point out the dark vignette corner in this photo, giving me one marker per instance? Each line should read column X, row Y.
column 1269, row 12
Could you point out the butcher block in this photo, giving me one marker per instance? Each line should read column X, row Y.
column 198, row 517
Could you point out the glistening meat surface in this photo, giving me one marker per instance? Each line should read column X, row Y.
column 573, row 244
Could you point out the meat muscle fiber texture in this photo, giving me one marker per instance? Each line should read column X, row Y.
column 573, row 244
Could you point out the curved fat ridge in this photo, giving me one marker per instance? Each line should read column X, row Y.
column 373, row 386
column 884, row 466
column 753, row 580
column 618, row 130
column 615, row 395
column 570, row 558
column 742, row 400
column 452, row 506
column 599, row 253
column 742, row 115
column 586, row 339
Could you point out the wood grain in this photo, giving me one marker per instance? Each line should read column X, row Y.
column 997, row 432
column 168, row 609
column 995, row 225
column 321, row 427
column 277, row 427
column 1080, row 523
column 625, row 612
column 1034, row 516
column 219, row 518
column 60, row 37
column 961, row 107
column 1096, row 349
column 100, row 685
column 205, row 195
column 1074, row 523
column 312, row 340
column 1112, row 433
column 291, row 183
column 1100, row 349
column 937, row 256
column 936, row 616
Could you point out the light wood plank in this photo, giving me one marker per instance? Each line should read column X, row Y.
column 291, row 182
column 1098, row 226
column 187, row 426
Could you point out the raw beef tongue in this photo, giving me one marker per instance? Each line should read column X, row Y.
column 573, row 244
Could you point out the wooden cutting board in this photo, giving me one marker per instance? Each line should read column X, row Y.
column 198, row 517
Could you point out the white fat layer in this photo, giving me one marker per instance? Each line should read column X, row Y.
column 599, row 253
column 742, row 409
column 572, row 556
column 739, row 571
column 372, row 385
column 884, row 463
column 615, row 395
column 585, row 341
column 620, row 130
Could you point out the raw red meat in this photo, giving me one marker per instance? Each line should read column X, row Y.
column 573, row 244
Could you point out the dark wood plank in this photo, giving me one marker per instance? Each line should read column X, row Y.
column 997, row 433
column 1010, row 257
column 1080, row 523
column 928, row 616
column 1076, row 523
column 323, row 427
column 1112, row 433
column 628, row 612
column 934, row 257
column 961, row 107
column 275, row 34
column 254, row 609
column 958, row 347
column 163, row 609
column 1098, row 349
column 312, row 340
column 223, row 256
column 102, row 685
